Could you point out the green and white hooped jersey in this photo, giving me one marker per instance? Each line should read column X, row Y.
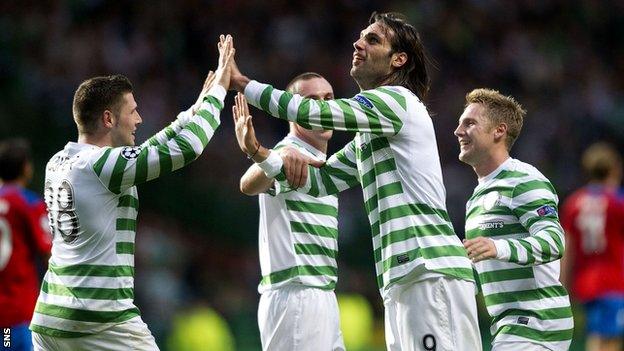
column 516, row 206
column 92, row 202
column 394, row 156
column 298, row 234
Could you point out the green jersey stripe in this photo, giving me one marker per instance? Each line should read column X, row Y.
column 265, row 98
column 326, row 115
column 414, row 232
column 509, row 174
column 531, row 185
column 187, row 150
column 87, row 293
column 347, row 110
column 400, row 99
column 164, row 156
column 56, row 332
column 544, row 314
column 114, row 184
column 504, row 190
column 86, row 315
column 496, row 211
column 384, row 166
column 125, row 248
column 328, row 183
column 424, row 252
column 99, row 164
column 85, row 270
column 376, row 144
column 291, row 272
column 214, row 102
column 128, row 201
column 506, row 274
column 314, row 249
column 302, row 114
column 537, row 335
column 140, row 175
column 210, row 118
column 126, row 224
column 314, row 229
column 525, row 295
column 411, row 209
column 385, row 110
column 282, row 105
column 311, row 207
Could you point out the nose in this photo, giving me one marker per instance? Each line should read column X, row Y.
column 357, row 45
column 458, row 131
column 139, row 120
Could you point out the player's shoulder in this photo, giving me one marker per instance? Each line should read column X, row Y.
column 525, row 171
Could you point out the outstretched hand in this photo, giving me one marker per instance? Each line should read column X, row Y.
column 296, row 166
column 238, row 81
column 226, row 56
column 243, row 126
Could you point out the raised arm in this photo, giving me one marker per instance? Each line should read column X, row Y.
column 184, row 117
column 122, row 167
column 288, row 167
column 379, row 111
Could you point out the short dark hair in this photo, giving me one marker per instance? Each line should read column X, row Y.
column 413, row 74
column 600, row 160
column 14, row 155
column 303, row 76
column 96, row 95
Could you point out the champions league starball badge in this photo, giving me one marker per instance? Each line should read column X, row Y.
column 130, row 152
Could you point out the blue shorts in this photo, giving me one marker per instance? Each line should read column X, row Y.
column 605, row 316
column 18, row 339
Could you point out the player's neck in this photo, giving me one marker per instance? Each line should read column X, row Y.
column 100, row 140
column 317, row 143
column 490, row 163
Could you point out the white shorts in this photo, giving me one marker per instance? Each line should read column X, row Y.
column 298, row 318
column 437, row 313
column 517, row 346
column 130, row 335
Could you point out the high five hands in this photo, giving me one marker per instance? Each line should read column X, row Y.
column 295, row 163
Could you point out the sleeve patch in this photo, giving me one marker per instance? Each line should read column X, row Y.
column 363, row 101
column 131, row 152
column 546, row 210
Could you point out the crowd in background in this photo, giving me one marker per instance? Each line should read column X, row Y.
column 197, row 234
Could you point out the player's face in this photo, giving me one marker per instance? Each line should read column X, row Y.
column 318, row 89
column 126, row 122
column 475, row 135
column 372, row 58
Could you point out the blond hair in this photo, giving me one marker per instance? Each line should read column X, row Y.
column 600, row 160
column 499, row 109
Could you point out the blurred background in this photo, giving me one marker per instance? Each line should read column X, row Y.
column 197, row 259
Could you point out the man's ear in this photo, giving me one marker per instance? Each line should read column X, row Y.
column 500, row 131
column 108, row 119
column 399, row 59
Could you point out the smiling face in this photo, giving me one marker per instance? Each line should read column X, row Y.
column 126, row 121
column 476, row 136
column 373, row 57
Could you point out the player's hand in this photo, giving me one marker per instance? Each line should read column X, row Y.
column 296, row 166
column 480, row 248
column 243, row 126
column 238, row 81
column 208, row 83
column 226, row 55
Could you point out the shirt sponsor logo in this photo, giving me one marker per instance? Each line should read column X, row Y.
column 546, row 210
column 363, row 101
column 523, row 320
column 491, row 225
